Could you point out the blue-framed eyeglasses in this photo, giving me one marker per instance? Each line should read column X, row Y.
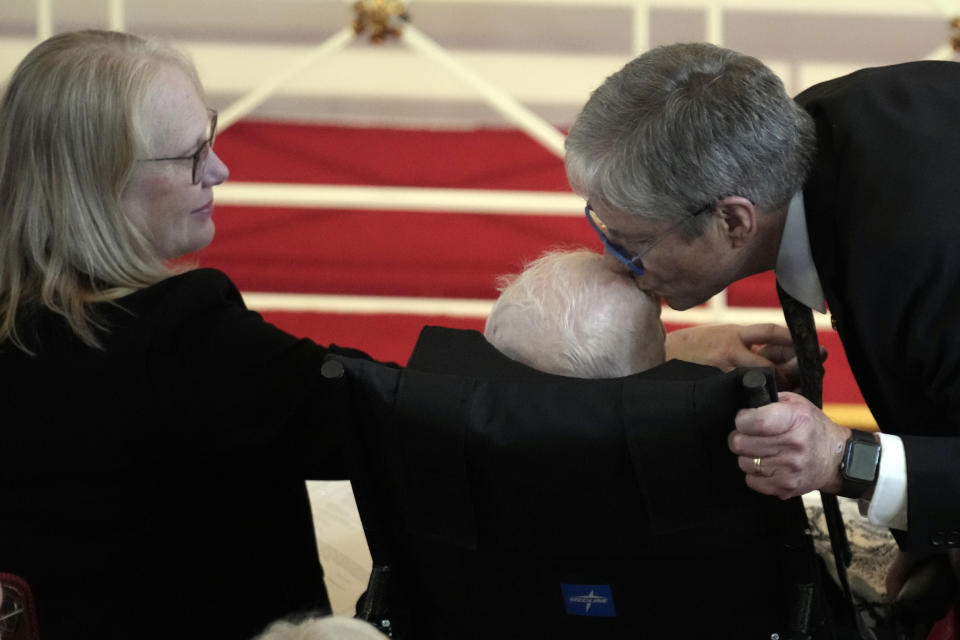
column 634, row 262
column 199, row 157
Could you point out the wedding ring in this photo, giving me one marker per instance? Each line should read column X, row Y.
column 757, row 463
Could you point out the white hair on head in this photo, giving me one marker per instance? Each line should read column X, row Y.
column 328, row 628
column 569, row 313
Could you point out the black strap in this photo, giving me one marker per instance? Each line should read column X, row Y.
column 803, row 331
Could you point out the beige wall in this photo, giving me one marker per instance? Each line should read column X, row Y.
column 548, row 54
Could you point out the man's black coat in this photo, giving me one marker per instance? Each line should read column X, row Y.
column 883, row 213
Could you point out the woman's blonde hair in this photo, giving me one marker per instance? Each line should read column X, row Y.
column 70, row 136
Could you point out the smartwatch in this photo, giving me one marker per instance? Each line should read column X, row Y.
column 860, row 464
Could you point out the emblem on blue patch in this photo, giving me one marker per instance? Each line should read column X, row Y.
column 588, row 600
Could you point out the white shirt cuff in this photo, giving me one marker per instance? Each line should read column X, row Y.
column 888, row 506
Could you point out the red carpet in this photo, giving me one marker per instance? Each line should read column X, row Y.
column 404, row 253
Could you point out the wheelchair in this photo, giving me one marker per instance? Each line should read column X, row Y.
column 503, row 502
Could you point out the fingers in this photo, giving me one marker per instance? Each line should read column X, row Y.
column 766, row 333
column 772, row 486
column 796, row 401
column 777, row 353
column 746, row 358
column 797, row 446
column 770, row 346
column 788, row 375
column 762, row 441
column 772, row 475
column 770, row 420
column 764, row 475
column 728, row 346
column 717, row 345
column 766, row 468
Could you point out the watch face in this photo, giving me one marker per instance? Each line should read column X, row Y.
column 863, row 461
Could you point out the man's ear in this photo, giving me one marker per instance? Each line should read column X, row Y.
column 739, row 219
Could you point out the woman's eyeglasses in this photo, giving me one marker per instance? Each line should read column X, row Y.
column 200, row 156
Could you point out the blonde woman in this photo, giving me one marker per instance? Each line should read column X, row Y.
column 156, row 434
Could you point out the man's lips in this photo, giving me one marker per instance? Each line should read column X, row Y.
column 205, row 208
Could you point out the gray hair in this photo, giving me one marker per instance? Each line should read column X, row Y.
column 684, row 125
column 569, row 313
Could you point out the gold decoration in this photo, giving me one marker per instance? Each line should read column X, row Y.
column 955, row 40
column 381, row 18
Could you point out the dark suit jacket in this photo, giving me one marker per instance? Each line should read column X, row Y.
column 155, row 489
column 883, row 211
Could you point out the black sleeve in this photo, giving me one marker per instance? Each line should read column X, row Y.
column 254, row 391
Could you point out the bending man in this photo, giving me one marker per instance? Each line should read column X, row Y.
column 699, row 170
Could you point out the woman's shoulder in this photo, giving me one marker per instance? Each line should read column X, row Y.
column 196, row 316
column 186, row 301
column 197, row 288
column 204, row 279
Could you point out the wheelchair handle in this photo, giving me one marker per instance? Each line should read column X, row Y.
column 755, row 383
